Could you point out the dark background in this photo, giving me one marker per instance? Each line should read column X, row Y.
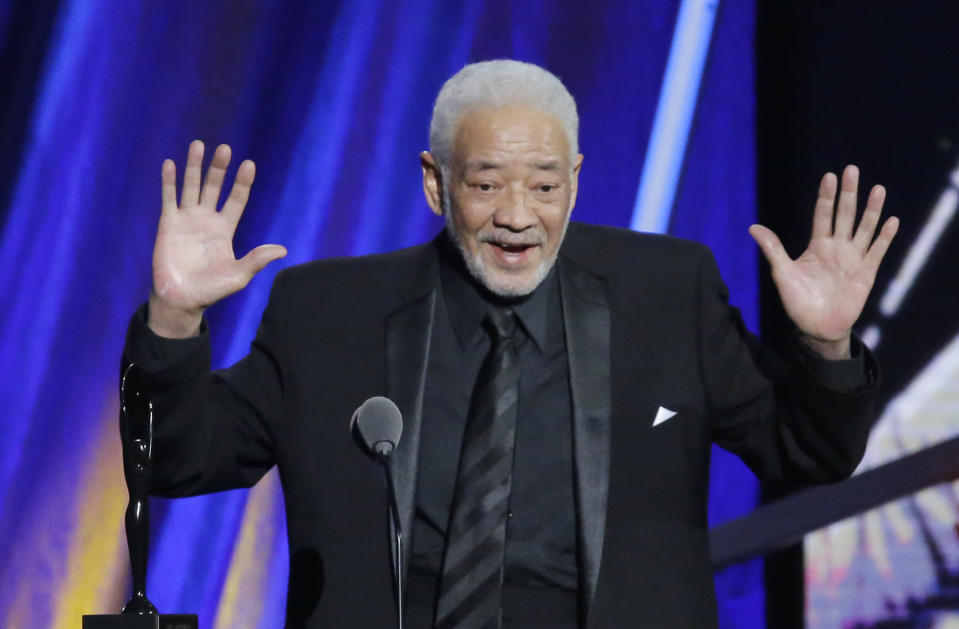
column 872, row 84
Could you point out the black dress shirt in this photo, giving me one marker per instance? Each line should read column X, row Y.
column 541, row 531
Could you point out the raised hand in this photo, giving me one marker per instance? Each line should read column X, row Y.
column 193, row 261
column 824, row 289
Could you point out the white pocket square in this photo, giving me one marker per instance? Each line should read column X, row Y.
column 663, row 414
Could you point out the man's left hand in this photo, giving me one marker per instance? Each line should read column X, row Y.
column 824, row 290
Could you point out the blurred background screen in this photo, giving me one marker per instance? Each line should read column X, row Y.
column 875, row 84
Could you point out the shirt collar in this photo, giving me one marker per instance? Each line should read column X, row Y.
column 467, row 301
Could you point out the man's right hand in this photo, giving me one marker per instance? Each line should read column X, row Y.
column 193, row 261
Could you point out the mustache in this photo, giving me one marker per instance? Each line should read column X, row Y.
column 527, row 238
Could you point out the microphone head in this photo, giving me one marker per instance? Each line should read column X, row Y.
column 378, row 424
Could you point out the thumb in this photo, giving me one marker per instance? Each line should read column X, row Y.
column 254, row 261
column 769, row 243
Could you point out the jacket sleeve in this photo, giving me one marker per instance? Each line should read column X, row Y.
column 803, row 418
column 212, row 430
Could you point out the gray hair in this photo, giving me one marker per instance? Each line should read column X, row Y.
column 495, row 84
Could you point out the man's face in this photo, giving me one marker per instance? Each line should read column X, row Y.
column 507, row 196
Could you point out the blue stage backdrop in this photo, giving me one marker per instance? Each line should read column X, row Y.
column 332, row 100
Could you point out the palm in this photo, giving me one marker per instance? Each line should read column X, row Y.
column 824, row 290
column 193, row 260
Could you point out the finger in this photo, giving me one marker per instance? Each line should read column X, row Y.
column 168, row 185
column 935, row 505
column 240, row 193
column 900, row 522
column 825, row 202
column 815, row 552
column 876, row 546
column 210, row 193
column 191, row 175
column 846, row 544
column 253, row 262
column 770, row 245
column 846, row 208
column 881, row 245
column 870, row 218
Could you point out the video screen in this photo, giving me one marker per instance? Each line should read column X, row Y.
column 897, row 566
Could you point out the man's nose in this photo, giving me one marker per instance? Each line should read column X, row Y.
column 515, row 213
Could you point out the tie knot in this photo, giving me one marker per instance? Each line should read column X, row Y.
column 501, row 323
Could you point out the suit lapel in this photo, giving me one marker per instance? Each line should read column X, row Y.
column 587, row 322
column 408, row 333
column 586, row 318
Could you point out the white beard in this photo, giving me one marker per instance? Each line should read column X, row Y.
column 499, row 284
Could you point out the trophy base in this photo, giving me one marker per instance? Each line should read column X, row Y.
column 137, row 621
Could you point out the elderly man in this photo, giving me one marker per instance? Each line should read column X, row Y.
column 560, row 383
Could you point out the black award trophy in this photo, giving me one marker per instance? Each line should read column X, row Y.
column 136, row 435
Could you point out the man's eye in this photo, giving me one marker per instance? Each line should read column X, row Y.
column 484, row 187
column 547, row 187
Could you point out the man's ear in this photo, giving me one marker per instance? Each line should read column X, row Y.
column 432, row 183
column 574, row 180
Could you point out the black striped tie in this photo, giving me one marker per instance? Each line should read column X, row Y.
column 471, row 585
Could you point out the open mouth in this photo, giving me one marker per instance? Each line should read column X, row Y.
column 512, row 248
column 512, row 254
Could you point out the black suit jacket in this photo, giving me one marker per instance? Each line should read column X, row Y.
column 647, row 326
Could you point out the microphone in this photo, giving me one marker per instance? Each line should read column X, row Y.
column 377, row 425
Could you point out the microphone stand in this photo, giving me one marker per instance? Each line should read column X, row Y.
column 396, row 536
column 377, row 425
